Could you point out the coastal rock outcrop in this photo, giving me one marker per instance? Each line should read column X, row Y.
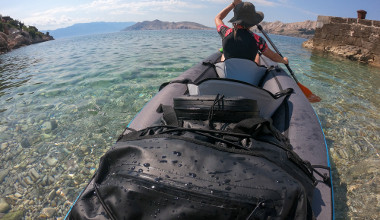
column 14, row 34
column 353, row 38
column 3, row 42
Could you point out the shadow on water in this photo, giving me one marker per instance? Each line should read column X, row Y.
column 340, row 191
column 12, row 76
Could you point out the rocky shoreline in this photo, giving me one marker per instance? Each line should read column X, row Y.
column 18, row 39
column 351, row 52
column 14, row 34
column 305, row 29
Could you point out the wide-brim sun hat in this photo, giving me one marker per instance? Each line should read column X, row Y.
column 245, row 14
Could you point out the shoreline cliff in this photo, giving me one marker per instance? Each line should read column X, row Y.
column 14, row 34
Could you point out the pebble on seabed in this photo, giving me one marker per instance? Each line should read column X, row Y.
column 3, row 174
column 4, row 146
column 48, row 212
column 51, row 161
column 4, row 206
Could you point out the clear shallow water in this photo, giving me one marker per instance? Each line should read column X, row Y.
column 63, row 104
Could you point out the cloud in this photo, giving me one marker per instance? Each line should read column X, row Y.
column 265, row 3
column 110, row 9
column 145, row 6
column 53, row 18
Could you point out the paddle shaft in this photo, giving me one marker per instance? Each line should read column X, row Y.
column 275, row 48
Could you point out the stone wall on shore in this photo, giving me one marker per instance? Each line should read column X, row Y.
column 353, row 38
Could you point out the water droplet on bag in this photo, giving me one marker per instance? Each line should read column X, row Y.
column 146, row 164
column 177, row 153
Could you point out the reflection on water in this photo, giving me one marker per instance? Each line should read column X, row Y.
column 12, row 76
column 63, row 103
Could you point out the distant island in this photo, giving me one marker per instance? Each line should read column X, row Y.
column 14, row 34
column 163, row 25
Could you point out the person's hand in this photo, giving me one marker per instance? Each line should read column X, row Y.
column 286, row 61
column 236, row 2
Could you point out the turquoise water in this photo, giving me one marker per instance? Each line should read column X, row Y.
column 63, row 103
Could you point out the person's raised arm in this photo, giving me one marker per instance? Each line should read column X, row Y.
column 222, row 14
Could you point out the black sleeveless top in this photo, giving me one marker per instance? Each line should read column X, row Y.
column 244, row 45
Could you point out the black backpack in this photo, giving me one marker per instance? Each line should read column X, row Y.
column 209, row 158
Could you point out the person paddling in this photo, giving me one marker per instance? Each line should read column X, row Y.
column 239, row 41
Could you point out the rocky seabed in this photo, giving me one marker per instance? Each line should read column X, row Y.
column 42, row 181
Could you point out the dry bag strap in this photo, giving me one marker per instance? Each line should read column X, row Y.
column 182, row 81
column 169, row 115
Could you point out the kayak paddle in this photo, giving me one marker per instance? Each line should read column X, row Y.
column 309, row 95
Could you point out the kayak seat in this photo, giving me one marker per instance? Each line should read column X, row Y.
column 267, row 102
column 240, row 69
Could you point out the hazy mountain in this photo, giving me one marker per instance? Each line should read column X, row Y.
column 163, row 25
column 89, row 28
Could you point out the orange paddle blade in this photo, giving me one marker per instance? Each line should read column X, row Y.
column 309, row 95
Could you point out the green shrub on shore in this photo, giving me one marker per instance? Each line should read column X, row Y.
column 12, row 23
column 33, row 31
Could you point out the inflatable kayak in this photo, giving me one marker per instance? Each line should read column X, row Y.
column 210, row 147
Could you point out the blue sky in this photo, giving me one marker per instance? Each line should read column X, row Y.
column 52, row 14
